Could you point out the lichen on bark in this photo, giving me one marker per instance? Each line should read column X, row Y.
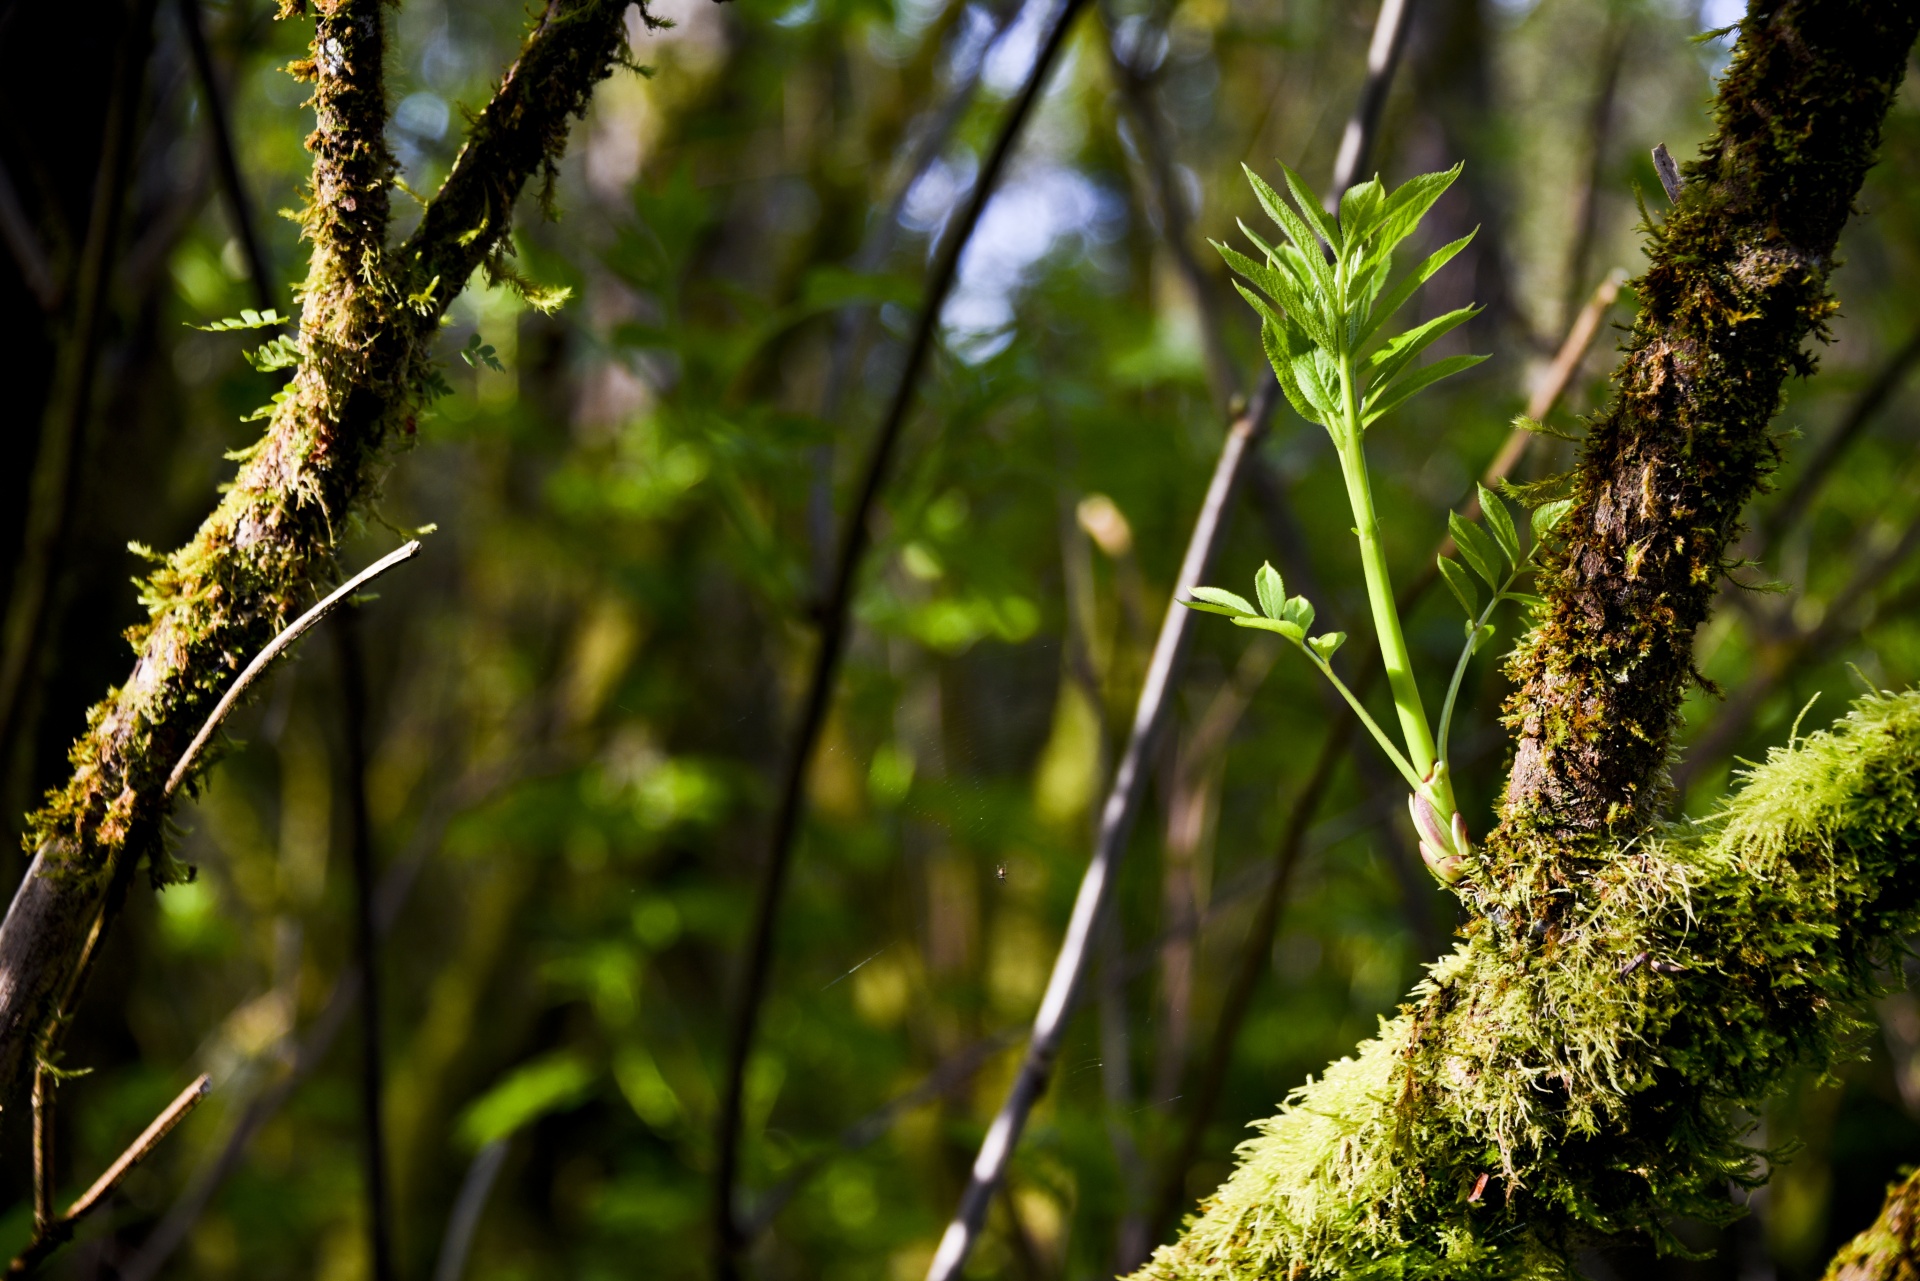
column 369, row 315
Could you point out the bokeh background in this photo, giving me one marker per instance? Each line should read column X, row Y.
column 580, row 692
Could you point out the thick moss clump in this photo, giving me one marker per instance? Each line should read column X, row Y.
column 1579, row 1065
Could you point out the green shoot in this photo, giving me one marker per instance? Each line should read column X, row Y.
column 1324, row 297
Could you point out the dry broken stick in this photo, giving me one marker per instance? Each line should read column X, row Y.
column 51, row 1234
column 369, row 321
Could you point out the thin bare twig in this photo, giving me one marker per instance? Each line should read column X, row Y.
column 276, row 647
column 318, row 1038
column 57, row 1232
column 220, row 130
column 465, row 1219
column 835, row 624
column 1116, row 823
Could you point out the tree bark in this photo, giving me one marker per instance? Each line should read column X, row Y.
column 1736, row 283
column 369, row 316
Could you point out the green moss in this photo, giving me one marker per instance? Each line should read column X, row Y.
column 368, row 319
column 1592, row 1045
column 1736, row 283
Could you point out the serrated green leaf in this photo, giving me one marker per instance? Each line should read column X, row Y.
column 1385, row 400
column 1462, row 584
column 1548, row 515
column 1271, row 591
column 1297, row 230
column 1326, row 645
column 1527, row 600
column 247, row 319
column 1292, row 631
column 1299, row 612
column 1476, row 548
column 1222, row 600
column 1500, row 523
column 1273, row 341
column 1309, row 202
column 1397, row 297
column 1408, row 204
column 1390, row 360
column 1360, row 209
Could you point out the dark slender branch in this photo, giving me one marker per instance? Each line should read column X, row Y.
column 23, row 242
column 1819, row 464
column 220, row 131
column 58, row 1232
column 56, row 473
column 366, row 945
column 1847, row 613
column 465, row 1219
column 835, row 621
column 276, row 647
column 853, row 324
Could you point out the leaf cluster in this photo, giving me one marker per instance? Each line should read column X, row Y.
column 1323, row 297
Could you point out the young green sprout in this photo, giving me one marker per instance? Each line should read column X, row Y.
column 1323, row 301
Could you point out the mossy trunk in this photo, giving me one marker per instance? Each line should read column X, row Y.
column 1579, row 1066
column 1890, row 1249
column 369, row 316
column 1736, row 283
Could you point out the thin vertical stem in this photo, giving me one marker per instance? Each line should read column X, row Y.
column 835, row 624
column 366, row 941
column 43, row 1172
column 226, row 162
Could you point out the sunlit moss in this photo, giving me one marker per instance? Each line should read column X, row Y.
column 1580, row 1064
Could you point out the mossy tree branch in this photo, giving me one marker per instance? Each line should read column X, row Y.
column 369, row 316
column 1890, row 1249
column 1579, row 1066
column 1736, row 283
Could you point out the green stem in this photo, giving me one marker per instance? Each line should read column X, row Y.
column 1386, row 619
column 1380, row 736
column 1466, row 653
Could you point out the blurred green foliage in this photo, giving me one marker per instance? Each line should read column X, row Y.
column 582, row 687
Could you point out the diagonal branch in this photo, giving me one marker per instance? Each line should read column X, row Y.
column 368, row 321
column 835, row 622
column 1123, row 798
column 1736, row 283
